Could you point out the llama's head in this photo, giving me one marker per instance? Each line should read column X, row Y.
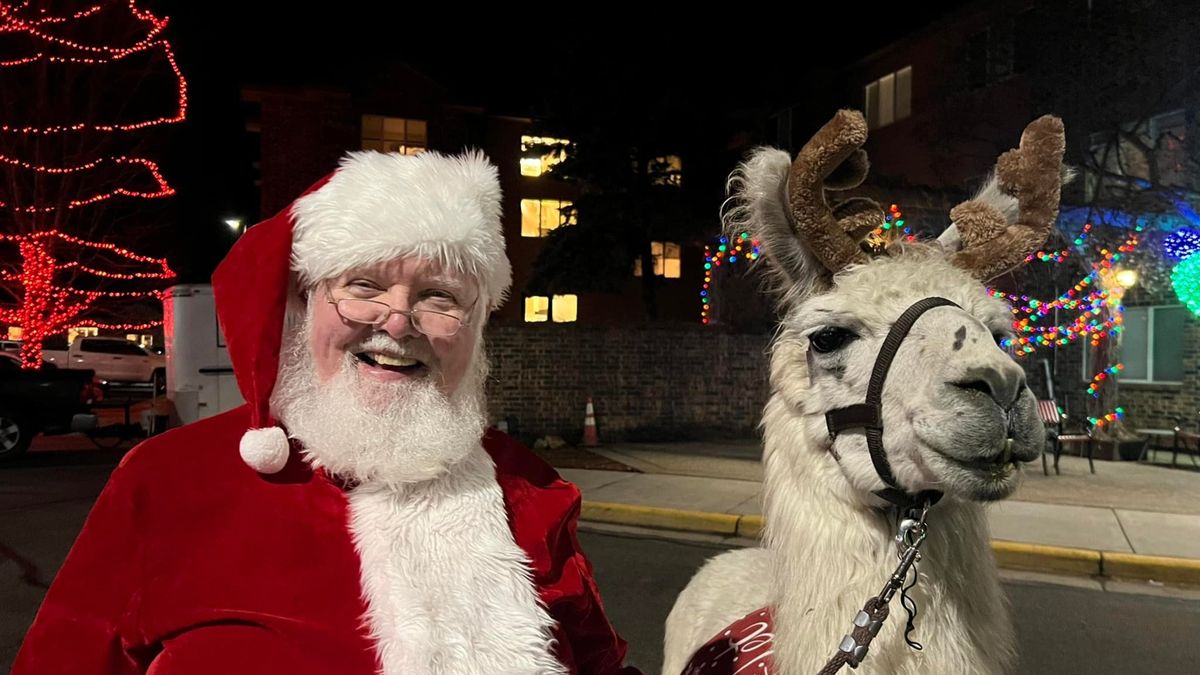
column 956, row 412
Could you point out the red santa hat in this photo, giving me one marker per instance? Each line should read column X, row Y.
column 376, row 207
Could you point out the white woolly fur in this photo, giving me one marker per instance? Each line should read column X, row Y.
column 828, row 543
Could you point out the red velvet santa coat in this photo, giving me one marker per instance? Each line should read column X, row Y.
column 191, row 562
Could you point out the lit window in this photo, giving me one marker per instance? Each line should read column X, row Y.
column 539, row 217
column 537, row 309
column 666, row 260
column 83, row 331
column 534, row 164
column 394, row 134
column 565, row 308
column 559, row 308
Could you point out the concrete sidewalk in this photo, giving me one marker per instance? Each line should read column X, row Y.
column 1127, row 520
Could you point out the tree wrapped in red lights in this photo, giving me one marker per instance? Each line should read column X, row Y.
column 83, row 90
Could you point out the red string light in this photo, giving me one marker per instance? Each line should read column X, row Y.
column 11, row 23
column 49, row 308
column 47, row 305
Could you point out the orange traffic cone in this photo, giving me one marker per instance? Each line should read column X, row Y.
column 590, row 439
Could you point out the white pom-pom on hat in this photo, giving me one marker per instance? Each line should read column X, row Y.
column 265, row 450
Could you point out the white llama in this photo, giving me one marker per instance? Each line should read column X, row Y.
column 956, row 415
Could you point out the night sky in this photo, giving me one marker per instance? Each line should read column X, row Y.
column 501, row 62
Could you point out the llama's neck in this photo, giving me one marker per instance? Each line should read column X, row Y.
column 833, row 552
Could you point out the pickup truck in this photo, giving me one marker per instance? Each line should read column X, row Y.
column 48, row 400
column 113, row 360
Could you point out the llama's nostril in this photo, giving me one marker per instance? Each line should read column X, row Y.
column 976, row 385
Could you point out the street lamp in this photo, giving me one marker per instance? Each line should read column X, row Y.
column 234, row 224
column 1127, row 278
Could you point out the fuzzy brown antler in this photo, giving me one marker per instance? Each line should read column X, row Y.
column 993, row 241
column 833, row 160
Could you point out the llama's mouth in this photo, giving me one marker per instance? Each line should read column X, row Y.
column 999, row 466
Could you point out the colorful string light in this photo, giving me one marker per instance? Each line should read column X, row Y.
column 893, row 228
column 1094, row 302
column 741, row 248
column 1061, row 255
column 1108, row 418
column 1099, row 379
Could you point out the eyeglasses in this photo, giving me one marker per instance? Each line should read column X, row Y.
column 426, row 321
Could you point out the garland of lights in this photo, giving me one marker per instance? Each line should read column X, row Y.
column 1098, row 381
column 1088, row 297
column 1062, row 254
column 893, row 227
column 741, row 248
column 48, row 308
column 1118, row 413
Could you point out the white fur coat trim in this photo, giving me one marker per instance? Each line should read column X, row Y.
column 447, row 588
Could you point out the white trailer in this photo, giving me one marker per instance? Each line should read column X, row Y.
column 200, row 381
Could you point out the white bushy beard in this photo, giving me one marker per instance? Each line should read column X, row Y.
column 389, row 433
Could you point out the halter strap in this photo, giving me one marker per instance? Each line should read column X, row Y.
column 869, row 415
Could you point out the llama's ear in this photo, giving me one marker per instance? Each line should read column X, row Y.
column 758, row 206
column 784, row 204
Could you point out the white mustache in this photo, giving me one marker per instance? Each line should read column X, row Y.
column 386, row 344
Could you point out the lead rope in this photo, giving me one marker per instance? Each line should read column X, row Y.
column 869, row 620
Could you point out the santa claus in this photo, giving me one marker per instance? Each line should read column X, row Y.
column 354, row 516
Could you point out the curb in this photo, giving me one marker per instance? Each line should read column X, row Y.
column 727, row 524
column 1009, row 554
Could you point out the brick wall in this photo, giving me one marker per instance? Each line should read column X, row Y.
column 646, row 383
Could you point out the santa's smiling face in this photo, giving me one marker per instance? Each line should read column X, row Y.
column 382, row 381
column 406, row 319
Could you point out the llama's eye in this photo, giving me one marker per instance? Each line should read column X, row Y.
column 830, row 339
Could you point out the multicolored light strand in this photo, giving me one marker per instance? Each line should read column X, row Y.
column 1060, row 255
column 1094, row 301
column 1093, row 389
column 741, row 248
column 893, row 228
column 1030, row 324
column 1100, row 422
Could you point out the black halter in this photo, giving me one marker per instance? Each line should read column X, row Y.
column 869, row 415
